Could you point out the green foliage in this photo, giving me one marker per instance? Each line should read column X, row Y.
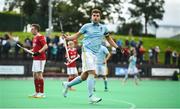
column 69, row 15
column 149, row 9
column 10, row 21
column 73, row 13
column 135, row 28
column 29, row 7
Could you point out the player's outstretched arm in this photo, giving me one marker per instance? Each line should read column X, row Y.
column 72, row 37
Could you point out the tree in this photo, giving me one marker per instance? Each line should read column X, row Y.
column 73, row 13
column 108, row 7
column 149, row 9
column 71, row 18
column 29, row 8
column 135, row 27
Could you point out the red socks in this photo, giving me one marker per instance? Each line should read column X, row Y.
column 39, row 85
column 36, row 84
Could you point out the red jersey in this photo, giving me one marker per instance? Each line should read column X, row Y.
column 72, row 54
column 38, row 42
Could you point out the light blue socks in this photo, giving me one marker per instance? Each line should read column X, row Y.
column 90, row 84
column 75, row 81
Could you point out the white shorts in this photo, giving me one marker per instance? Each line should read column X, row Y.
column 132, row 71
column 88, row 61
column 72, row 71
column 38, row 65
column 101, row 69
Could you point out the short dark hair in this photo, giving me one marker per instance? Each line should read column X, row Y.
column 95, row 11
column 37, row 26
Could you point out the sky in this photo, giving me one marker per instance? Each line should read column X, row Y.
column 171, row 15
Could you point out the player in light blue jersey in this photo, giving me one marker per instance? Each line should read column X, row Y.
column 132, row 69
column 93, row 33
column 101, row 65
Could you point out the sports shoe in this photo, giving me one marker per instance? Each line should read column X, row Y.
column 65, row 89
column 40, row 95
column 33, row 95
column 94, row 99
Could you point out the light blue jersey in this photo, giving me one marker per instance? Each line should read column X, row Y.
column 101, row 55
column 132, row 62
column 93, row 36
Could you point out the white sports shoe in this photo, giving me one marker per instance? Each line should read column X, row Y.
column 40, row 95
column 94, row 99
column 65, row 89
column 33, row 95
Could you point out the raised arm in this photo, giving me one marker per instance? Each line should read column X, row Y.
column 72, row 37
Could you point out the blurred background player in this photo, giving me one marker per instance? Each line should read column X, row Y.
column 132, row 69
column 71, row 66
column 39, row 60
column 101, row 66
column 93, row 33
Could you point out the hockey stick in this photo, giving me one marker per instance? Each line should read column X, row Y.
column 65, row 44
column 67, row 63
column 25, row 49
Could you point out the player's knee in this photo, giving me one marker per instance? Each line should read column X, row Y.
column 83, row 78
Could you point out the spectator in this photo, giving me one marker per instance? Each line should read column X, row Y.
column 157, row 50
column 127, row 42
column 27, row 44
column 140, row 42
column 168, row 53
column 132, row 42
column 55, row 56
column 48, row 40
column 54, row 50
column 6, row 45
column 56, row 40
column 150, row 53
column 119, row 42
column 17, row 49
column 174, row 57
column 141, row 54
